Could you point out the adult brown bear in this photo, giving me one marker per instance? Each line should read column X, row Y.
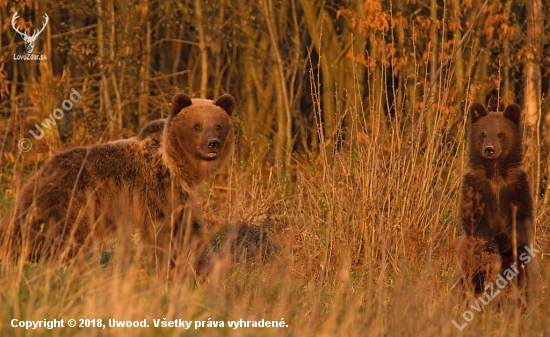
column 496, row 207
column 144, row 185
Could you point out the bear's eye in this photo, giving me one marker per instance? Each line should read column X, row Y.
column 500, row 135
column 218, row 127
column 483, row 134
column 197, row 127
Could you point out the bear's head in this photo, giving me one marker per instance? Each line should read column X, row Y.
column 198, row 136
column 495, row 135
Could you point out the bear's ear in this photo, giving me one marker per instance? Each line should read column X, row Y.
column 477, row 111
column 513, row 113
column 226, row 102
column 179, row 102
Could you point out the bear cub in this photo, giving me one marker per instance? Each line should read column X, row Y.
column 141, row 187
column 496, row 207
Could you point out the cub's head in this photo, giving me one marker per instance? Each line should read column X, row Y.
column 198, row 136
column 495, row 135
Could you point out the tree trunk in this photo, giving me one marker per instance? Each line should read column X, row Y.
column 532, row 84
column 112, row 57
column 202, row 48
column 283, row 137
column 508, row 96
column 531, row 68
column 144, row 74
column 431, row 109
column 458, row 58
column 323, row 35
column 105, row 100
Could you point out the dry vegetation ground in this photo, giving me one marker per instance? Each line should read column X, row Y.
column 361, row 245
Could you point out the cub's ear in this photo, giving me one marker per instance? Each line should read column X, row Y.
column 226, row 102
column 179, row 102
column 477, row 111
column 513, row 113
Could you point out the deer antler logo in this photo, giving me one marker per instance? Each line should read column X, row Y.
column 29, row 40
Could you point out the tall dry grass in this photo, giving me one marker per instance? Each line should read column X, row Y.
column 359, row 242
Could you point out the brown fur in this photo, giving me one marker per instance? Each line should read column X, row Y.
column 146, row 183
column 494, row 189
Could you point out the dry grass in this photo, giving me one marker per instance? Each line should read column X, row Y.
column 362, row 244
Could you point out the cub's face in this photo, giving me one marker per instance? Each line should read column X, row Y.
column 492, row 134
column 495, row 134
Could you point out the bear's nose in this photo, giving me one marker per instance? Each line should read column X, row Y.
column 214, row 144
column 489, row 150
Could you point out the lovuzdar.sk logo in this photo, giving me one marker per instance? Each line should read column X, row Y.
column 29, row 40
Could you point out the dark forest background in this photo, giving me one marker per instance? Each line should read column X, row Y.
column 291, row 65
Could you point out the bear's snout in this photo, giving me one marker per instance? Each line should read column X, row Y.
column 491, row 148
column 489, row 151
column 211, row 148
column 214, row 144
